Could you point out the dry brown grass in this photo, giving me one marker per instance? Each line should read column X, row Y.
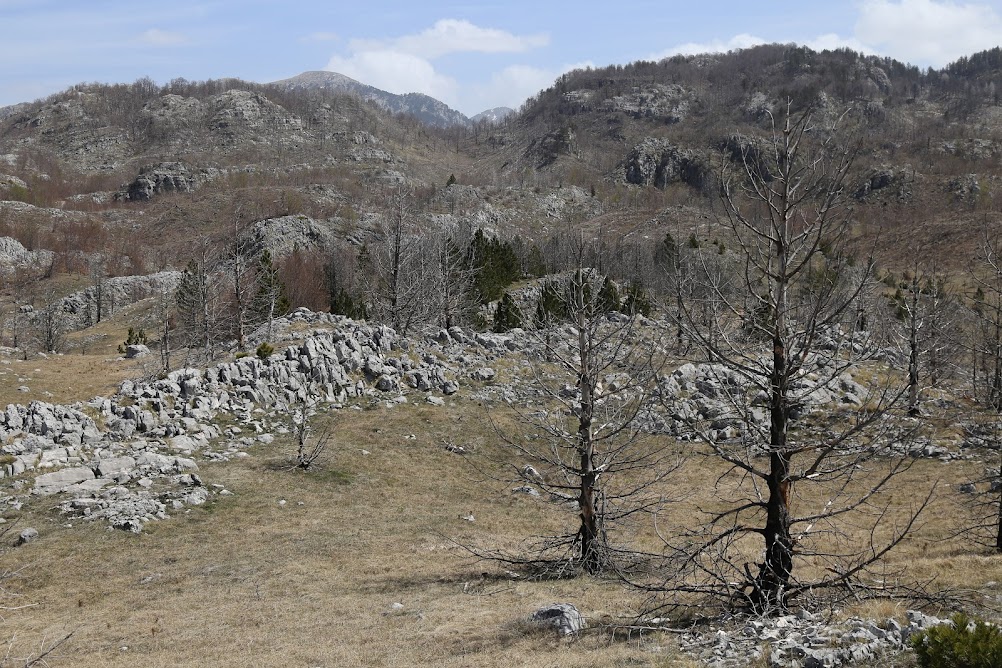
column 62, row 378
column 247, row 581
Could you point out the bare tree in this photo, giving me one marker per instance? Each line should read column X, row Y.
column 986, row 349
column 164, row 307
column 50, row 327
column 453, row 277
column 594, row 449
column 98, row 271
column 927, row 317
column 775, row 346
column 242, row 278
column 400, row 282
column 308, row 449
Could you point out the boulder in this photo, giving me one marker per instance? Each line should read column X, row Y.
column 563, row 617
column 108, row 467
column 136, row 350
column 27, row 535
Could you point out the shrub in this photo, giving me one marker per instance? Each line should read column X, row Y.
column 133, row 338
column 966, row 644
column 265, row 350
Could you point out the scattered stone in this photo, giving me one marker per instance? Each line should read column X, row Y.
column 27, row 535
column 564, row 617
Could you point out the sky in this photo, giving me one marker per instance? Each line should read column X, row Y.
column 471, row 55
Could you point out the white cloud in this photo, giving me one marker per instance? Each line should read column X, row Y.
column 742, row 41
column 514, row 84
column 928, row 32
column 405, row 65
column 831, row 41
column 454, row 36
column 396, row 72
column 157, row 37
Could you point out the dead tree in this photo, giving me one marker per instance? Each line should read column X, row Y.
column 399, row 286
column 776, row 346
column 986, row 352
column 309, row 448
column 453, row 278
column 592, row 383
column 924, row 325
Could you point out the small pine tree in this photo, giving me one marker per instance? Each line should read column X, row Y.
column 637, row 301
column 608, row 297
column 508, row 316
column 552, row 306
column 495, row 266
column 271, row 300
column 536, row 263
column 344, row 304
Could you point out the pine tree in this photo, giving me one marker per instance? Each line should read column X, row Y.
column 552, row 306
column 608, row 297
column 637, row 301
column 508, row 315
column 271, row 300
column 495, row 265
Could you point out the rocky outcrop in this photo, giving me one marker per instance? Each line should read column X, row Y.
column 658, row 162
column 80, row 308
column 167, row 177
column 548, row 148
column 281, row 236
column 965, row 188
column 13, row 255
column 239, row 115
column 883, row 181
column 666, row 102
column 131, row 470
column 749, row 151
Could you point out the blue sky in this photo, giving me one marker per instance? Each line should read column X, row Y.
column 471, row 55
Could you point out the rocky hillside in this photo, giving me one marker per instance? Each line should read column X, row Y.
column 639, row 136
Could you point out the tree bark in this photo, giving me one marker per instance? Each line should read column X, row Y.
column 591, row 558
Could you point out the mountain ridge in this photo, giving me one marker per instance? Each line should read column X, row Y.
column 425, row 108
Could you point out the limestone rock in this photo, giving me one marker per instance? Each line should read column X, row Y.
column 564, row 617
column 51, row 483
column 136, row 350
column 660, row 163
column 27, row 535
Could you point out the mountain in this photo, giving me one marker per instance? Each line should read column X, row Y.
column 607, row 150
column 494, row 115
column 423, row 107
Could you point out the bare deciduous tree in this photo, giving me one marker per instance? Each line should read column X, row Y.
column 593, row 448
column 399, row 286
column 776, row 345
